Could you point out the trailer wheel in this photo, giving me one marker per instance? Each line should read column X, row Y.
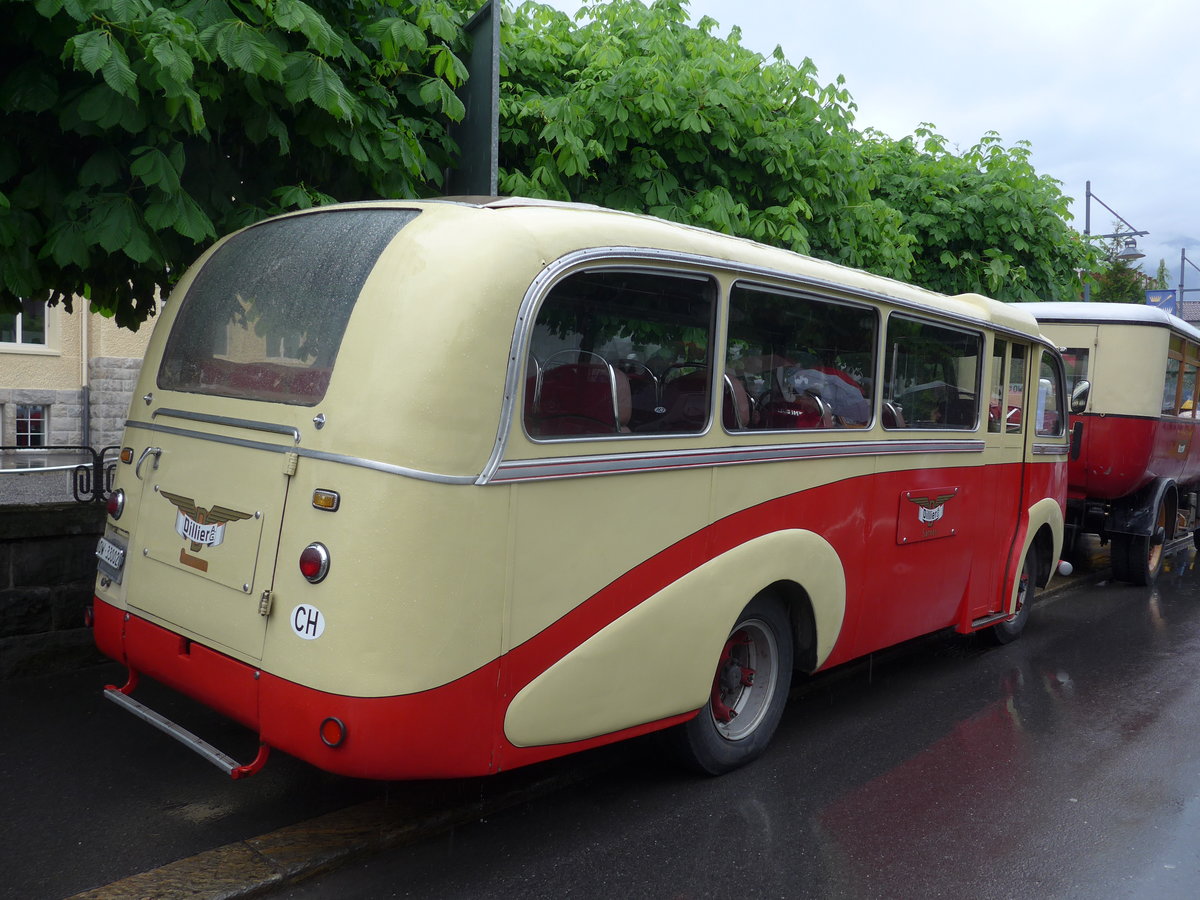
column 1009, row 630
column 1138, row 558
column 748, row 694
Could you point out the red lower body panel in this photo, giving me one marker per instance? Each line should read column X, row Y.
column 447, row 732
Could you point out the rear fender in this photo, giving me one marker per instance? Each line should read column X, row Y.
column 657, row 660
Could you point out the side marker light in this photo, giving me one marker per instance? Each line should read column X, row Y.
column 333, row 732
column 328, row 501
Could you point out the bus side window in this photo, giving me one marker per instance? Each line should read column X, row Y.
column 1170, row 405
column 996, row 397
column 797, row 361
column 1050, row 411
column 1014, row 417
column 933, row 374
column 616, row 352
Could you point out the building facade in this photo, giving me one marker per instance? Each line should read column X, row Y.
column 66, row 378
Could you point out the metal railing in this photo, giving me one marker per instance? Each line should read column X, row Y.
column 91, row 481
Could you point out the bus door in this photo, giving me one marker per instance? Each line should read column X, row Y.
column 207, row 531
column 928, row 503
column 1007, row 454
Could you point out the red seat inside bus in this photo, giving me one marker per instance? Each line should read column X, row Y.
column 580, row 398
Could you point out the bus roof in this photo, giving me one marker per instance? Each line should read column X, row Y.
column 1086, row 313
column 560, row 227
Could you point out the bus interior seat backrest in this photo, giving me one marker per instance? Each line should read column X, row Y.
column 685, row 399
column 892, row 417
column 735, row 408
column 582, row 398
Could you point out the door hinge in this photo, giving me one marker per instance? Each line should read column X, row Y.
column 264, row 603
column 290, row 461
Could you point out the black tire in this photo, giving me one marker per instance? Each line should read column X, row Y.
column 737, row 722
column 1010, row 629
column 1138, row 558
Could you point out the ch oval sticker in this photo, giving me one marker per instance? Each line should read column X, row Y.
column 307, row 622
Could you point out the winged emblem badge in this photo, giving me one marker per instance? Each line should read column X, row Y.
column 203, row 527
column 931, row 508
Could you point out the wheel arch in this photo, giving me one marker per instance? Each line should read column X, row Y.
column 1136, row 513
column 677, row 636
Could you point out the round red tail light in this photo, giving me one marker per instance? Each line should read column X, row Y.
column 115, row 505
column 314, row 562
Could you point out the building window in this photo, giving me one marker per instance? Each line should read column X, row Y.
column 31, row 425
column 26, row 327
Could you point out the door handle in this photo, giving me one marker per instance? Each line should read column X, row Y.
column 155, row 451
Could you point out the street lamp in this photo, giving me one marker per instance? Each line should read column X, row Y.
column 1182, row 290
column 1125, row 242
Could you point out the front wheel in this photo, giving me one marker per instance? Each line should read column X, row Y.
column 748, row 693
column 1010, row 629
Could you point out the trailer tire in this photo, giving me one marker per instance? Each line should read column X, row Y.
column 736, row 724
column 1138, row 558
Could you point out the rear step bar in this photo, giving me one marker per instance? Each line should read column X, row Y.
column 224, row 762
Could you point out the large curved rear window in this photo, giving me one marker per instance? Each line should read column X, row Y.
column 265, row 316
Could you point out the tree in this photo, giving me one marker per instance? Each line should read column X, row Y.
column 983, row 220
column 1120, row 282
column 1162, row 278
column 633, row 108
column 137, row 132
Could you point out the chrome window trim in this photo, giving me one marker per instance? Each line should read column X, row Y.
column 624, row 257
column 520, row 470
column 1050, row 449
column 209, row 419
column 340, row 458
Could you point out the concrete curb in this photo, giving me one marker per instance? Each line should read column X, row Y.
column 260, row 865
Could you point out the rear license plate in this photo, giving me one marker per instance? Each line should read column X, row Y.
column 112, row 558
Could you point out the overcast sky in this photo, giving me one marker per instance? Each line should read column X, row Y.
column 1103, row 90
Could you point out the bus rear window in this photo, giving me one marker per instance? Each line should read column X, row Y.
column 265, row 316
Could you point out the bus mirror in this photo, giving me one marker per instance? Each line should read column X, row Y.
column 1079, row 396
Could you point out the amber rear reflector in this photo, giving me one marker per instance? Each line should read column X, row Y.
column 326, row 500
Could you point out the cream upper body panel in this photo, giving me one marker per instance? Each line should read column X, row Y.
column 1128, row 347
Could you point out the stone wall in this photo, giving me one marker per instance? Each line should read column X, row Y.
column 47, row 571
column 113, row 379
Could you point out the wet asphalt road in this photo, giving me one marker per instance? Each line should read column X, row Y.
column 1065, row 765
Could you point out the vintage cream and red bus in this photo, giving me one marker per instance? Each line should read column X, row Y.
column 427, row 489
column 1135, row 466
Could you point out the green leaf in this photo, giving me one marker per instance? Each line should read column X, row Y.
column 174, row 61
column 118, row 74
column 91, row 50
column 154, row 169
column 67, row 244
column 102, row 169
column 112, row 222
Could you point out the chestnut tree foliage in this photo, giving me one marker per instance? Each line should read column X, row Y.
column 630, row 106
column 136, row 132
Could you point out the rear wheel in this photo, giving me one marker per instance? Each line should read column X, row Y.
column 1010, row 629
column 748, row 693
column 1138, row 558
